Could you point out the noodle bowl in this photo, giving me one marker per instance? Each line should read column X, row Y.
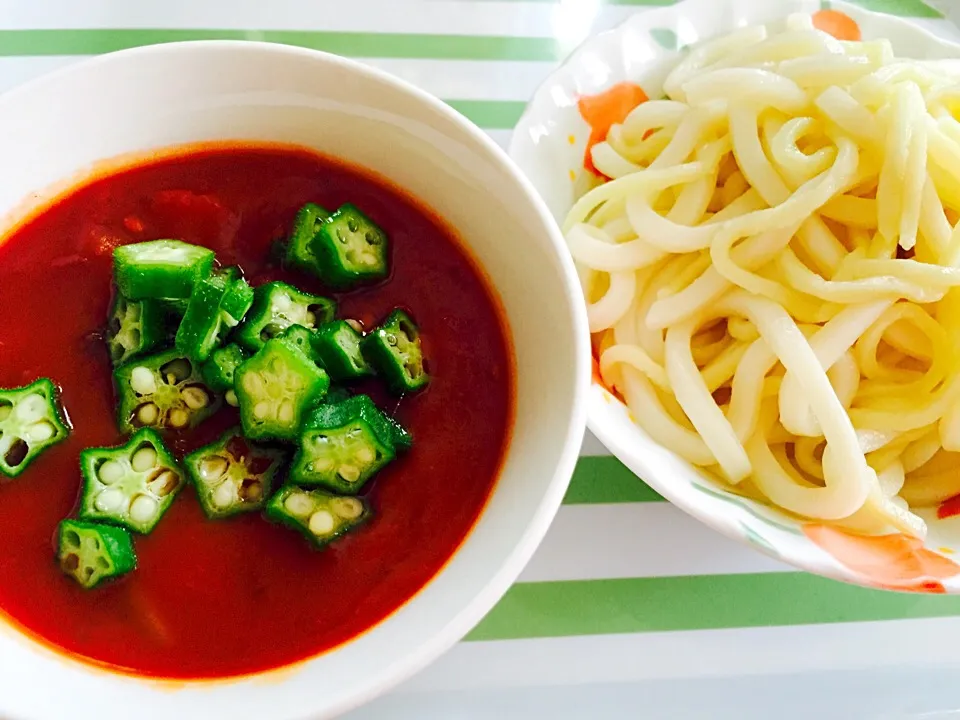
column 772, row 272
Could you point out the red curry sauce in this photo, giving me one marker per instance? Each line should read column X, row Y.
column 220, row 598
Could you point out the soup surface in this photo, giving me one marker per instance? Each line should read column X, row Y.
column 228, row 597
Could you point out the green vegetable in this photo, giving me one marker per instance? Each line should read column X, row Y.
column 218, row 303
column 350, row 249
column 131, row 485
column 91, row 553
column 232, row 476
column 338, row 345
column 136, row 327
column 160, row 269
column 276, row 388
column 395, row 351
column 276, row 307
column 218, row 371
column 320, row 516
column 162, row 391
column 299, row 251
column 30, row 422
column 304, row 340
column 343, row 445
column 336, row 394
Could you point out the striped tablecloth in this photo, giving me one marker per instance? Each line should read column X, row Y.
column 630, row 609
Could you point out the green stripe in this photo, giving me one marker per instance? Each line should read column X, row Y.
column 639, row 605
column 490, row 114
column 349, row 44
column 903, row 8
column 606, row 480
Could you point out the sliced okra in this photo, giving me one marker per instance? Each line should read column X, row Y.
column 163, row 391
column 319, row 515
column 342, row 446
column 350, row 249
column 160, row 268
column 276, row 307
column 136, row 327
column 131, row 485
column 396, row 353
column 92, row 552
column 299, row 250
column 276, row 388
column 218, row 372
column 232, row 475
column 31, row 421
column 338, row 346
column 218, row 303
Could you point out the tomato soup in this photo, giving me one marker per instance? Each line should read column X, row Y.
column 217, row 598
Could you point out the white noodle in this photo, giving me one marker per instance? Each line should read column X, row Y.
column 766, row 322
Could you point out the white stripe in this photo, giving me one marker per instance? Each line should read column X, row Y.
column 655, row 539
column 592, row 446
column 447, row 79
column 693, row 654
column 469, row 79
column 569, row 21
column 919, row 693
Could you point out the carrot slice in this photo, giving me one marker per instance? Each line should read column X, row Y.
column 838, row 24
column 605, row 109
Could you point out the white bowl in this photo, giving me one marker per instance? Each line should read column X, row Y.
column 549, row 144
column 135, row 101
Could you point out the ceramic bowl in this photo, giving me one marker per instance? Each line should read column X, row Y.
column 549, row 145
column 56, row 129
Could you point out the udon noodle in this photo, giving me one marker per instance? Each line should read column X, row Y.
column 772, row 272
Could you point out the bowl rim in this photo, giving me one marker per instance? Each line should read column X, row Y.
column 563, row 464
column 599, row 415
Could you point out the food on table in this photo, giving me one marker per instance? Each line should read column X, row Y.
column 770, row 262
column 229, row 353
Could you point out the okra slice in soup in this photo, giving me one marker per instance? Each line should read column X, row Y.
column 163, row 391
column 131, row 485
column 136, row 327
column 160, row 268
column 93, row 552
column 396, row 353
column 350, row 249
column 276, row 388
column 276, row 307
column 342, row 446
column 218, row 372
column 338, row 346
column 304, row 340
column 320, row 516
column 31, row 420
column 218, row 303
column 232, row 475
column 299, row 250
